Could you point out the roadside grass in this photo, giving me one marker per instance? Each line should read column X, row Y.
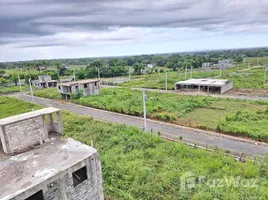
column 50, row 93
column 158, row 81
column 138, row 165
column 12, row 89
column 253, row 78
column 192, row 111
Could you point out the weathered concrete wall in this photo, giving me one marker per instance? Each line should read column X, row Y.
column 91, row 89
column 61, row 187
column 227, row 87
column 23, row 134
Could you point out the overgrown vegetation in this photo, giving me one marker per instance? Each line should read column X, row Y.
column 138, row 165
column 245, row 123
column 193, row 111
column 12, row 89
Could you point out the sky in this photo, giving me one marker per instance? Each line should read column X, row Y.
column 48, row 29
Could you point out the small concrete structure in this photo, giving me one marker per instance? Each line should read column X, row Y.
column 150, row 65
column 18, row 133
column 44, row 81
column 60, row 169
column 222, row 65
column 206, row 85
column 87, row 87
column 207, row 66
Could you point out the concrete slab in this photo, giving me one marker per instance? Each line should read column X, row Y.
column 24, row 171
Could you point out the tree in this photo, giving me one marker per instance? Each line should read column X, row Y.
column 138, row 67
column 58, row 66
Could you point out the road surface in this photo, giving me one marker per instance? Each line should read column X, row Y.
column 202, row 138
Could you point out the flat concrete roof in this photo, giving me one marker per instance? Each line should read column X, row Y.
column 22, row 172
column 78, row 82
column 204, row 82
column 28, row 115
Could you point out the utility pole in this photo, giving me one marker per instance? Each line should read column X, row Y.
column 220, row 70
column 185, row 73
column 258, row 60
column 265, row 72
column 166, row 81
column 74, row 76
column 144, row 97
column 191, row 71
column 99, row 72
column 31, row 89
column 19, row 82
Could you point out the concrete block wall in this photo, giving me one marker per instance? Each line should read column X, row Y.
column 23, row 134
column 61, row 187
column 227, row 87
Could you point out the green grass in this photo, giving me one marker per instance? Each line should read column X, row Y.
column 253, row 78
column 242, row 79
column 193, row 111
column 12, row 89
column 138, row 165
column 50, row 93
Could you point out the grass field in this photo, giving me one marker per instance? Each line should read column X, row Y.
column 253, row 78
column 11, row 89
column 242, row 79
column 193, row 111
column 138, row 165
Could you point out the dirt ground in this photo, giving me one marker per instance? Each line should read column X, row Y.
column 248, row 92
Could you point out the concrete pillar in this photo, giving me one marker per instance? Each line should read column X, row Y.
column 208, row 89
column 198, row 88
column 63, row 194
column 60, row 122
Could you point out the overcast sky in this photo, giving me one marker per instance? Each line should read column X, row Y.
column 45, row 29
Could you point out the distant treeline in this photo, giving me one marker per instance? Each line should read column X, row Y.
column 174, row 60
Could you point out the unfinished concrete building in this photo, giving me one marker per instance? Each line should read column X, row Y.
column 87, row 87
column 38, row 163
column 44, row 81
column 222, row 65
column 206, row 85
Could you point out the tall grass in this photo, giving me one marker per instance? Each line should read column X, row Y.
column 138, row 165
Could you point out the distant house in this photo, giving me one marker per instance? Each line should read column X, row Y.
column 88, row 87
column 207, row 66
column 222, row 65
column 206, row 85
column 44, row 81
column 150, row 65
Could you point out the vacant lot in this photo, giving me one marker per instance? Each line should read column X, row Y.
column 193, row 111
column 12, row 89
column 253, row 78
column 138, row 165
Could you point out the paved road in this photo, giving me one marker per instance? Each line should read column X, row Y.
column 203, row 138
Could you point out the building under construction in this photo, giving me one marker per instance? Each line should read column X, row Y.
column 205, row 85
column 38, row 163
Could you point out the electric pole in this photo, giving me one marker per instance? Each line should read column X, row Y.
column 185, row 73
column 166, row 81
column 19, row 82
column 265, row 72
column 144, row 97
column 31, row 89
column 74, row 76
column 191, row 71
